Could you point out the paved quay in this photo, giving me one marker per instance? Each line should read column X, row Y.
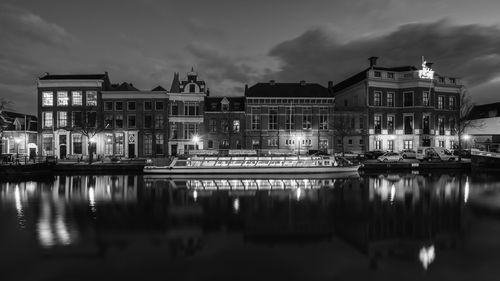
column 106, row 166
column 413, row 164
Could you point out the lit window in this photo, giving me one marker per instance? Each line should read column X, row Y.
column 47, row 119
column 47, row 99
column 236, row 126
column 91, row 98
column 62, row 98
column 62, row 119
column 159, row 140
column 76, row 97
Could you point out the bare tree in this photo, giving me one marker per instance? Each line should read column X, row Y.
column 342, row 125
column 90, row 128
column 464, row 121
column 4, row 104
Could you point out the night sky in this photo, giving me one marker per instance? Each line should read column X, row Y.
column 232, row 43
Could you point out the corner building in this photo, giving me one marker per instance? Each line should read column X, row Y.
column 396, row 108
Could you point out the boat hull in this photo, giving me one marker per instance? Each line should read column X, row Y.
column 481, row 159
column 248, row 170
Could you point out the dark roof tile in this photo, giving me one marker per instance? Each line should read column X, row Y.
column 287, row 90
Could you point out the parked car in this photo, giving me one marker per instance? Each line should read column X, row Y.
column 465, row 153
column 408, row 153
column 390, row 157
column 434, row 153
column 373, row 154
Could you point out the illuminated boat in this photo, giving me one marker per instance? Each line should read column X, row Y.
column 213, row 165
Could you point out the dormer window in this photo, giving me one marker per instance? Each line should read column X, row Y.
column 225, row 106
column 192, row 88
column 378, row 74
column 453, row 81
column 390, row 75
column 441, row 79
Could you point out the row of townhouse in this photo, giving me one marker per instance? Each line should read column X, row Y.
column 379, row 108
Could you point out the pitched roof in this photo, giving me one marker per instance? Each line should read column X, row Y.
column 356, row 78
column 214, row 103
column 8, row 118
column 74, row 76
column 125, row 87
column 287, row 90
column 158, row 88
column 176, row 84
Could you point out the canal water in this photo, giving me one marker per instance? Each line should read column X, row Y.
column 392, row 226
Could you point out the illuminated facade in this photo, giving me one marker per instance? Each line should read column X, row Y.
column 185, row 112
column 292, row 116
column 69, row 106
column 398, row 108
column 20, row 134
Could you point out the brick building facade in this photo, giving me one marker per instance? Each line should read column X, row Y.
column 67, row 105
column 293, row 116
column 224, row 126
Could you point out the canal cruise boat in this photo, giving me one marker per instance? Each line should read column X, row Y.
column 244, row 164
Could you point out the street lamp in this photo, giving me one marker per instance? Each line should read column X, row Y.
column 467, row 138
column 195, row 140
column 298, row 138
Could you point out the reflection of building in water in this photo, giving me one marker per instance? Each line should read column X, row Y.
column 270, row 210
column 53, row 209
column 407, row 216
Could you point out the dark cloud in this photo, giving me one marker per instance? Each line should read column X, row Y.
column 468, row 51
column 224, row 73
column 26, row 40
column 22, row 26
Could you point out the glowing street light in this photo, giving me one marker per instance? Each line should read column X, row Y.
column 17, row 141
column 466, row 137
column 298, row 138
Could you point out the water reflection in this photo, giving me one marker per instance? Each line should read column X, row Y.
column 384, row 217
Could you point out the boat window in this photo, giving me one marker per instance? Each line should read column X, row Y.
column 236, row 163
column 181, row 163
column 262, row 163
column 208, row 163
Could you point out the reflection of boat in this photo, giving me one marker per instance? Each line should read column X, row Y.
column 277, row 175
column 253, row 165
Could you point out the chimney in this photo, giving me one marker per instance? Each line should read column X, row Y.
column 272, row 82
column 429, row 64
column 330, row 84
column 373, row 61
column 302, row 82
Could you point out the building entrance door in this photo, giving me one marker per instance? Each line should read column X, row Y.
column 62, row 146
column 131, row 150
column 173, row 149
column 62, row 151
column 32, row 153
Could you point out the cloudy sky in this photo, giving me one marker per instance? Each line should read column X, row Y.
column 236, row 42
